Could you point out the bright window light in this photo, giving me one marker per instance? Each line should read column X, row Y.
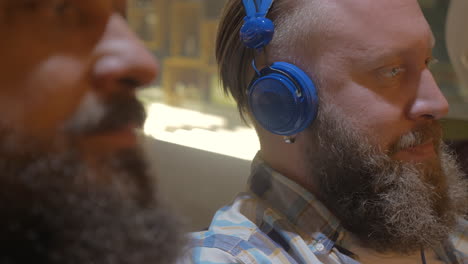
column 201, row 131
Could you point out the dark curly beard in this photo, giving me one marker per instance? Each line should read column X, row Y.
column 54, row 210
column 57, row 207
column 389, row 205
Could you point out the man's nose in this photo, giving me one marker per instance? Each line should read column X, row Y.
column 122, row 62
column 429, row 103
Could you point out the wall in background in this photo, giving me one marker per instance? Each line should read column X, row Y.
column 196, row 182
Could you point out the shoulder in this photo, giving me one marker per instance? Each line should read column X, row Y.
column 459, row 238
column 207, row 255
column 225, row 239
column 208, row 247
column 234, row 237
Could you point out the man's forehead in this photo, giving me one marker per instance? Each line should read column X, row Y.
column 368, row 24
column 376, row 12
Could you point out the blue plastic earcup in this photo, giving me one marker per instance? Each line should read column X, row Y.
column 283, row 99
column 257, row 32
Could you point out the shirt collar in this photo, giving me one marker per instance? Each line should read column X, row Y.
column 311, row 219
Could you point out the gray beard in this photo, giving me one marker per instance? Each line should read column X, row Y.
column 54, row 209
column 390, row 206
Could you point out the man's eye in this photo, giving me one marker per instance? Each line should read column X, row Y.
column 28, row 5
column 392, row 72
column 430, row 62
column 45, row 8
column 62, row 6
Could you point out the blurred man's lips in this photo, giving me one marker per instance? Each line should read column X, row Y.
column 119, row 138
column 417, row 153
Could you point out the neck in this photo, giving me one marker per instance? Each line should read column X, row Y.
column 287, row 159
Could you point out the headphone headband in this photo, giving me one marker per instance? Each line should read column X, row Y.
column 257, row 30
column 257, row 8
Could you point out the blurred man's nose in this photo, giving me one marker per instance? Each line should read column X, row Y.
column 122, row 59
column 430, row 103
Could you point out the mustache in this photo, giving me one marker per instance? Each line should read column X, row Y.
column 420, row 135
column 95, row 116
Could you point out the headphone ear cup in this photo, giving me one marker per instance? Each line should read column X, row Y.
column 283, row 99
column 257, row 32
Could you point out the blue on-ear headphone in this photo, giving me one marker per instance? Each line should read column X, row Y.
column 282, row 98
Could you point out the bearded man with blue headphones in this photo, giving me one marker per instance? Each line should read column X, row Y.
column 352, row 168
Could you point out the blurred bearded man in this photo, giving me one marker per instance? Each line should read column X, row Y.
column 75, row 187
column 352, row 167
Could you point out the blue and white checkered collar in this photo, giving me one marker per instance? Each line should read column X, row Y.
column 312, row 221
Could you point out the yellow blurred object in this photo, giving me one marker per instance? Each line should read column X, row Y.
column 190, row 32
column 150, row 20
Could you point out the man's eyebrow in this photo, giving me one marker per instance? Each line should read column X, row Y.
column 20, row 5
column 121, row 8
column 377, row 57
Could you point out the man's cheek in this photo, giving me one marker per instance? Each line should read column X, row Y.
column 50, row 99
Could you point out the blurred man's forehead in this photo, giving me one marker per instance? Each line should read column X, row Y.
column 22, row 3
column 12, row 9
column 4, row 4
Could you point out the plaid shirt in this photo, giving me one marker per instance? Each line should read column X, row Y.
column 278, row 221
